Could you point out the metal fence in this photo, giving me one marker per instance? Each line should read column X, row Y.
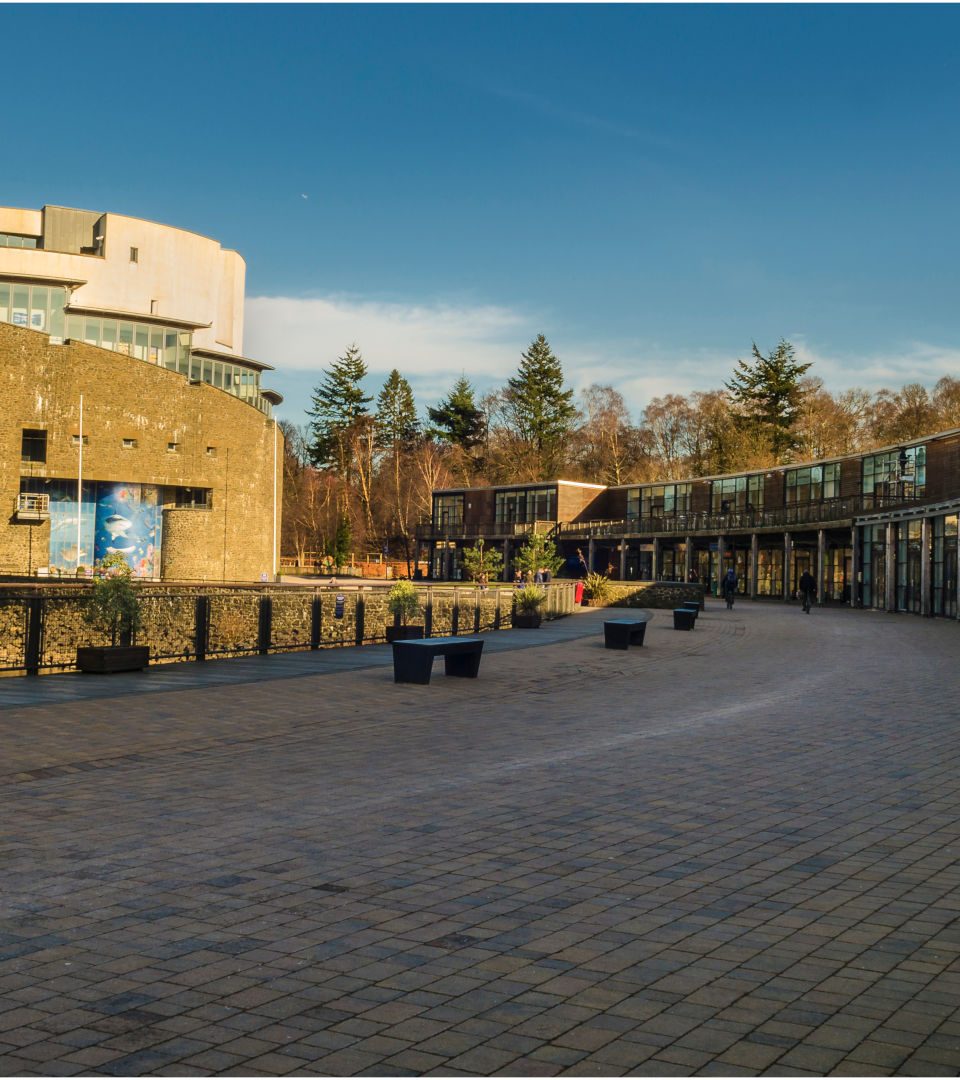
column 41, row 629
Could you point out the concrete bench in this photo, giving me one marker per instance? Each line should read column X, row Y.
column 684, row 618
column 413, row 659
column 622, row 633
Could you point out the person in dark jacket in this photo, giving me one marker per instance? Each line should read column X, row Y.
column 808, row 590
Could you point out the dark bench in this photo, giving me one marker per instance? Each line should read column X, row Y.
column 622, row 633
column 692, row 605
column 413, row 660
column 684, row 618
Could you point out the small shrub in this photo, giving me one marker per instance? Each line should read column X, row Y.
column 530, row 598
column 597, row 588
column 113, row 607
column 403, row 601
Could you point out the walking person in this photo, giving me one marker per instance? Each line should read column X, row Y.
column 729, row 587
column 808, row 590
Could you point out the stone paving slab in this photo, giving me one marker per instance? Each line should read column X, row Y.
column 729, row 852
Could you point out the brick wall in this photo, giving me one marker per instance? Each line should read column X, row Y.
column 222, row 444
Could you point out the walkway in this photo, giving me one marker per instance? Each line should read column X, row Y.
column 733, row 851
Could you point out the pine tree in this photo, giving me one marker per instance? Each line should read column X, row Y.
column 541, row 410
column 769, row 396
column 397, row 423
column 338, row 403
column 457, row 418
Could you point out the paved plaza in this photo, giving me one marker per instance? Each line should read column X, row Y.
column 731, row 852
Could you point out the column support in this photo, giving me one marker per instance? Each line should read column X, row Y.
column 623, row 558
column 656, row 558
column 787, row 564
column 925, row 549
column 890, row 558
column 591, row 551
column 821, row 564
column 688, row 543
column 754, row 564
column 506, row 560
column 854, row 567
column 721, row 544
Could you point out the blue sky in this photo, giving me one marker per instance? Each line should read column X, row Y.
column 652, row 187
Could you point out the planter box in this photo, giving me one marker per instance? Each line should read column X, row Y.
column 527, row 620
column 404, row 633
column 107, row 659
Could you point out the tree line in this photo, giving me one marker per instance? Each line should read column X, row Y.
column 358, row 476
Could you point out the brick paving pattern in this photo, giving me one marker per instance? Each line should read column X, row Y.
column 730, row 852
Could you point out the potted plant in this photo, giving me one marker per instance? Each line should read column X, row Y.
column 596, row 590
column 404, row 605
column 527, row 604
column 113, row 609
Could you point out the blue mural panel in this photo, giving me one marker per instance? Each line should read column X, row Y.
column 128, row 522
column 64, row 554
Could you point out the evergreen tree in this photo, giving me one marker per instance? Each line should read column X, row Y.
column 768, row 394
column 338, row 403
column 397, row 423
column 457, row 418
column 540, row 409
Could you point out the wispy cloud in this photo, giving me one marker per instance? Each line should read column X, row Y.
column 431, row 344
column 542, row 105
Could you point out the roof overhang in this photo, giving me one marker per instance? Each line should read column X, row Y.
column 137, row 316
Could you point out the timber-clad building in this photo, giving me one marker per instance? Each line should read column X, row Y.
column 876, row 529
column 132, row 421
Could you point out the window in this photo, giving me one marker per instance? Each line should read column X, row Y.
column 75, row 439
column 129, row 444
column 897, row 474
column 523, row 507
column 15, row 241
column 813, row 484
column 33, row 446
column 194, row 498
column 447, row 510
column 134, row 254
column 211, row 451
column 173, row 447
column 665, row 500
column 736, row 493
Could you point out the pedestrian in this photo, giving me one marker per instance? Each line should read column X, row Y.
column 728, row 586
column 808, row 590
column 517, row 579
column 538, row 576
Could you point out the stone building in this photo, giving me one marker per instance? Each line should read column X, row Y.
column 132, row 421
column 876, row 529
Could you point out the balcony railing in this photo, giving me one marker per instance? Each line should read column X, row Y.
column 503, row 530
column 32, row 507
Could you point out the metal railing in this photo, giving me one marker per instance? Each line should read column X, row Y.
column 502, row 530
column 29, row 503
column 41, row 629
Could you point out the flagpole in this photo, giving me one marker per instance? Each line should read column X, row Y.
column 80, row 486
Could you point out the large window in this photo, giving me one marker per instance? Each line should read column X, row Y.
column 40, row 307
column 447, row 510
column 665, row 500
column 736, row 493
column 897, row 474
column 526, row 505
column 812, row 484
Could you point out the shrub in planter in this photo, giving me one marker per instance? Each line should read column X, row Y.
column 528, row 603
column 596, row 590
column 404, row 605
column 113, row 609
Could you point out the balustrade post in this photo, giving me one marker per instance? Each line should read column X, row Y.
column 264, row 625
column 201, row 627
column 428, row 614
column 361, row 611
column 455, row 614
column 316, row 617
column 34, row 638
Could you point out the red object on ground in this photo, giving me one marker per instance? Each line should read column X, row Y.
column 578, row 593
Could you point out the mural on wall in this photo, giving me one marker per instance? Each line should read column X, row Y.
column 124, row 518
column 128, row 522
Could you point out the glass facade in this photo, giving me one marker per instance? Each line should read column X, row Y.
column 910, row 556
column 896, row 474
column 874, row 548
column 41, row 307
column 524, row 506
column 812, row 484
column 736, row 493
